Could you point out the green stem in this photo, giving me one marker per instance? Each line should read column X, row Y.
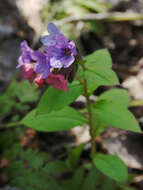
column 9, row 125
column 90, row 117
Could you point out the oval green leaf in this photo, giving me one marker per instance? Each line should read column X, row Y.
column 53, row 100
column 112, row 166
column 119, row 96
column 115, row 115
column 99, row 70
column 64, row 119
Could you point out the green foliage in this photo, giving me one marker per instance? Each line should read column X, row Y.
column 113, row 114
column 74, row 155
column 91, row 180
column 54, row 121
column 7, row 138
column 25, row 91
column 16, row 95
column 77, row 179
column 55, row 167
column 111, row 109
column 107, row 184
column 116, row 95
column 111, row 166
column 98, row 70
column 99, row 125
column 31, row 170
column 94, row 5
column 25, row 168
column 57, row 100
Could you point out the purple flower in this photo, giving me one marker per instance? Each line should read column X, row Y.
column 58, row 52
column 63, row 54
column 50, row 40
column 26, row 56
column 61, row 51
column 42, row 65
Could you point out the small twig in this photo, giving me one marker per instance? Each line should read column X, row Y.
column 135, row 103
column 113, row 16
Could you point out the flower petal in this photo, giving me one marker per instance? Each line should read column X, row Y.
column 48, row 40
column 62, row 41
column 72, row 47
column 20, row 62
column 52, row 29
column 68, row 60
column 53, row 51
column 28, row 72
column 26, row 56
column 38, row 80
column 56, row 63
column 46, row 72
column 42, row 66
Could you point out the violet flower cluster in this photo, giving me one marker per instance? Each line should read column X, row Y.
column 39, row 66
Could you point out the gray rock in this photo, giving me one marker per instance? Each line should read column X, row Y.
column 13, row 30
column 10, row 188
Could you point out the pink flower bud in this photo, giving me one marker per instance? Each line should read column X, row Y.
column 58, row 81
column 38, row 80
column 28, row 72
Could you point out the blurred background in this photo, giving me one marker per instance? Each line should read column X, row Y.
column 92, row 24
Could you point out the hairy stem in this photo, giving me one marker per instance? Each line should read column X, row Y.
column 90, row 116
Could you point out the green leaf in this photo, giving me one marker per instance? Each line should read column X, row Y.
column 105, row 78
column 107, row 183
column 99, row 126
column 116, row 95
column 15, row 168
column 99, row 71
column 74, row 155
column 115, row 115
column 91, row 180
column 55, row 167
column 99, row 57
column 124, row 187
column 53, row 100
column 7, row 139
column 19, row 182
column 77, row 179
column 56, row 121
column 5, row 104
column 112, row 166
column 13, row 152
column 25, row 91
column 34, row 159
